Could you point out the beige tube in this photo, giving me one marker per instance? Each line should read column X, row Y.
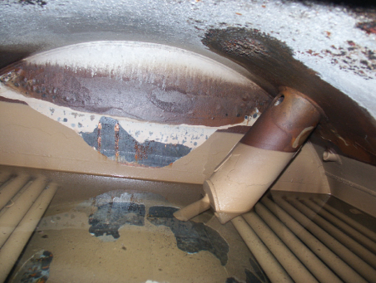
column 243, row 178
column 370, row 234
column 267, row 261
column 16, row 242
column 342, row 251
column 10, row 189
column 359, row 237
column 347, row 241
column 13, row 215
column 305, row 255
column 262, row 154
column 287, row 259
column 193, row 209
column 342, row 269
column 4, row 176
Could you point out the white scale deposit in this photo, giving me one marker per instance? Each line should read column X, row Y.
column 138, row 61
column 302, row 27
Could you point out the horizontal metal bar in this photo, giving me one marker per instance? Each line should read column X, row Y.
column 13, row 247
column 287, row 259
column 267, row 261
column 342, row 251
column 305, row 255
column 342, row 269
column 341, row 237
column 13, row 215
column 10, row 189
column 4, row 176
column 364, row 230
column 359, row 237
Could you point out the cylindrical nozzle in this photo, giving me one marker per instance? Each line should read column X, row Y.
column 193, row 209
column 261, row 155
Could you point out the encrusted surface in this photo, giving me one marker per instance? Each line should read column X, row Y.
column 110, row 139
column 111, row 216
column 142, row 81
column 159, row 97
column 331, row 48
column 346, row 124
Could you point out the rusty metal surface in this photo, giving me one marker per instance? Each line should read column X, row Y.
column 111, row 140
column 271, row 64
column 344, row 29
column 285, row 124
column 368, row 27
column 171, row 98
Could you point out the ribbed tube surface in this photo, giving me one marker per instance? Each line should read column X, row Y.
column 309, row 243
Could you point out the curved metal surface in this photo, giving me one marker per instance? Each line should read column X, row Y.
column 143, row 81
column 322, row 49
column 285, row 124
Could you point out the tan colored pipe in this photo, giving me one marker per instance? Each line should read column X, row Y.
column 4, row 176
column 364, row 230
column 10, row 189
column 288, row 260
column 245, row 176
column 359, row 237
column 342, row 269
column 17, row 241
column 347, row 241
column 267, row 261
column 193, row 209
column 262, row 154
column 13, row 215
column 305, row 255
column 353, row 260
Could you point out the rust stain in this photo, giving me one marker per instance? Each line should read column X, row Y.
column 354, row 58
column 285, row 124
column 170, row 98
column 141, row 151
column 272, row 65
column 368, row 27
column 117, row 144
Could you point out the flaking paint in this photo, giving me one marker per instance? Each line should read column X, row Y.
column 157, row 94
column 110, row 139
column 143, row 81
column 345, row 123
